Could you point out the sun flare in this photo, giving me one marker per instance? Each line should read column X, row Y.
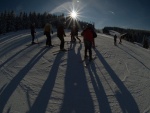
column 73, row 14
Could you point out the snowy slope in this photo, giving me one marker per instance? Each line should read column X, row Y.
column 33, row 79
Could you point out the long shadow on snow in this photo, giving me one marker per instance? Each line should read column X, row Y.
column 14, row 34
column 135, row 58
column 77, row 96
column 104, row 106
column 16, row 44
column 15, row 38
column 10, row 88
column 13, row 45
column 125, row 99
column 15, row 55
column 11, row 58
column 41, row 102
column 2, row 88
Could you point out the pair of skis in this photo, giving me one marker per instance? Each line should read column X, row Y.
column 86, row 61
column 35, row 43
column 47, row 46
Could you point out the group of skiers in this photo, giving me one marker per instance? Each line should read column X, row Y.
column 88, row 37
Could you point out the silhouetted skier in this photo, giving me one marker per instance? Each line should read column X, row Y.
column 47, row 31
column 115, row 39
column 74, row 34
column 120, row 40
column 60, row 35
column 146, row 43
column 87, row 34
column 32, row 28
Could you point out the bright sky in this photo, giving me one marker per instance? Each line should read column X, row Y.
column 119, row 13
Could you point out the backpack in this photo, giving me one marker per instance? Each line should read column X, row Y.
column 94, row 34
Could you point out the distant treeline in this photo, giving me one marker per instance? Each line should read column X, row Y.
column 133, row 35
column 9, row 21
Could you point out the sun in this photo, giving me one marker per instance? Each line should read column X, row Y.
column 74, row 14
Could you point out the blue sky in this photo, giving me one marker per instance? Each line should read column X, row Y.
column 120, row 13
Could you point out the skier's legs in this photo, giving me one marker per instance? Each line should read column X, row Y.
column 33, row 36
column 78, row 38
column 62, row 42
column 50, row 43
column 115, row 41
column 120, row 41
column 74, row 39
column 90, row 50
column 48, row 40
column 85, row 50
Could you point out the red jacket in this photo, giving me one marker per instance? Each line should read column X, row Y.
column 88, row 34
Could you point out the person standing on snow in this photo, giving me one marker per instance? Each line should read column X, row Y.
column 74, row 34
column 87, row 34
column 115, row 39
column 60, row 35
column 120, row 40
column 47, row 31
column 32, row 28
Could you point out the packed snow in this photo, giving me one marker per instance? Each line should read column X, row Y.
column 39, row 79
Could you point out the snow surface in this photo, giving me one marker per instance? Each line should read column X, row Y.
column 35, row 80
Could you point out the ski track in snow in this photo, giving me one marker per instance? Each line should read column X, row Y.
column 32, row 76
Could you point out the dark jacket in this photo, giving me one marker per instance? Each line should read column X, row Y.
column 74, row 31
column 60, row 31
column 32, row 27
